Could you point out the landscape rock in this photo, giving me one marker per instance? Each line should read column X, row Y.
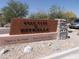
column 3, row 51
column 28, row 49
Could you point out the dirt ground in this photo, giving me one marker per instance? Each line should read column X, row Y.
column 42, row 48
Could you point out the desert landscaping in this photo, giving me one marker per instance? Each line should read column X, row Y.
column 39, row 49
column 39, row 29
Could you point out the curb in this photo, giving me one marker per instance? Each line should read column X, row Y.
column 53, row 56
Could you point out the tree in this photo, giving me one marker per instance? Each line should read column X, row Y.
column 39, row 15
column 2, row 22
column 70, row 16
column 56, row 12
column 15, row 9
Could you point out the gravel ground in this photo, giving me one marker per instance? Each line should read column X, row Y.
column 40, row 49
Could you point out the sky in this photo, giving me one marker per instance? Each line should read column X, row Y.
column 44, row 5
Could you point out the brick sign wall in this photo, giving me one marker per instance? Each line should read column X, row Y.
column 26, row 26
column 43, row 29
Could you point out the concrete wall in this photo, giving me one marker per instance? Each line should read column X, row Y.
column 26, row 38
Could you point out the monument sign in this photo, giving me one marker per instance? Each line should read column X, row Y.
column 31, row 31
column 26, row 26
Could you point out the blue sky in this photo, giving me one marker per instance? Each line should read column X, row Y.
column 44, row 5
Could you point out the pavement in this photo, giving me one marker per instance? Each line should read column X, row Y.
column 74, row 55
